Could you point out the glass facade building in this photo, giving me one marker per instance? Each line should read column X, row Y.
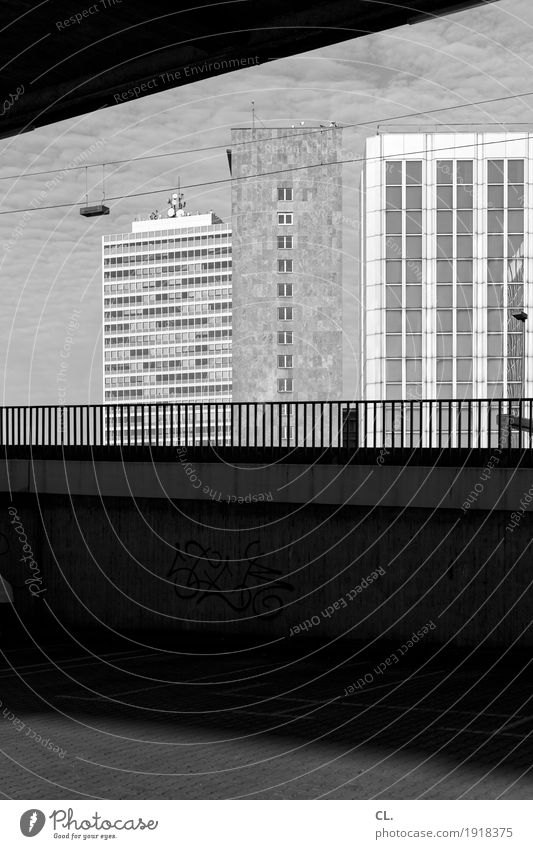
column 167, row 311
column 445, row 234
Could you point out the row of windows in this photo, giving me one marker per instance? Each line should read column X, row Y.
column 153, row 338
column 202, row 321
column 462, row 170
column 182, row 309
column 462, row 270
column 158, row 271
column 413, row 296
column 162, row 297
column 177, row 377
column 445, row 296
column 171, row 285
column 413, row 320
column 144, row 259
column 444, row 370
column 171, row 391
column 445, row 319
column 168, row 351
column 134, row 245
column 166, row 365
column 448, row 197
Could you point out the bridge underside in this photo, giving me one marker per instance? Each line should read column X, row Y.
column 65, row 59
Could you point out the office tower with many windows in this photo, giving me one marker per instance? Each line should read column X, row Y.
column 445, row 265
column 167, row 309
column 287, row 263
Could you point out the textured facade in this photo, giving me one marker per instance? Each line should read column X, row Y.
column 287, row 264
column 446, row 256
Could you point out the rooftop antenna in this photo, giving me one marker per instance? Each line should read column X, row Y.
column 253, row 114
column 176, row 204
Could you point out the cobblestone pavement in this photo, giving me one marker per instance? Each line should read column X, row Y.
column 142, row 720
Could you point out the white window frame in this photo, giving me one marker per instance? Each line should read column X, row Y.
column 285, row 337
column 285, row 314
column 284, row 246
column 285, row 266
column 284, row 383
column 284, row 290
column 282, row 218
column 283, row 191
column 282, row 360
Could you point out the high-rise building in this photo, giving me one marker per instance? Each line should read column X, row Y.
column 167, row 309
column 287, row 263
column 446, row 248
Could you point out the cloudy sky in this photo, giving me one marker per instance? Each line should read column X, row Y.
column 51, row 258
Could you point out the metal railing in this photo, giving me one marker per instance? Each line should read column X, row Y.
column 350, row 425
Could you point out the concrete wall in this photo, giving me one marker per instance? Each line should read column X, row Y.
column 263, row 569
column 316, row 255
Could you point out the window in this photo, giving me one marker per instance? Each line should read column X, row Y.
column 413, row 221
column 393, row 170
column 285, row 266
column 285, row 337
column 284, row 194
column 413, row 296
column 444, row 222
column 285, row 313
column 394, row 346
column 413, row 321
column 413, row 197
column 394, row 297
column 444, row 296
column 413, row 271
column 394, row 321
column 393, row 271
column 413, row 371
column 284, row 290
column 413, row 172
column 393, row 247
column 284, row 217
column 284, row 242
column 394, row 371
column 444, row 171
column 495, row 170
column 394, row 197
column 285, row 384
column 413, row 247
column 394, row 222
column 444, row 321
column 285, row 360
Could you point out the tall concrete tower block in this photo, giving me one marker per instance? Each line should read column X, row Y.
column 287, row 263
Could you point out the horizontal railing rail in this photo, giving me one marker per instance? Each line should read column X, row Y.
column 350, row 425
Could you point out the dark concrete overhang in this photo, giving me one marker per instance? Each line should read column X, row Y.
column 62, row 59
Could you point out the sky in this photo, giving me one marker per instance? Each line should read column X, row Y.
column 50, row 321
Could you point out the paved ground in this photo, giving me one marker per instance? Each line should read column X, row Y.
column 234, row 721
